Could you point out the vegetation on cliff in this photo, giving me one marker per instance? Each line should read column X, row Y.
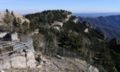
column 73, row 39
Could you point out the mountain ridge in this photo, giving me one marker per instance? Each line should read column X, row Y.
column 75, row 38
column 96, row 14
column 60, row 41
column 109, row 25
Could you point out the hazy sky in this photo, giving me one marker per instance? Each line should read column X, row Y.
column 85, row 6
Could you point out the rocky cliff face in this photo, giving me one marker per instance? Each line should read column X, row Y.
column 75, row 39
column 36, row 53
column 57, row 41
column 13, row 22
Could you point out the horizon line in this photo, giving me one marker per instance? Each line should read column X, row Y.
column 36, row 11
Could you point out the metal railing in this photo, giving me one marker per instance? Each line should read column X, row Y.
column 17, row 46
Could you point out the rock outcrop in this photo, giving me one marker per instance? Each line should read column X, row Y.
column 75, row 39
column 56, row 41
column 38, row 53
column 10, row 21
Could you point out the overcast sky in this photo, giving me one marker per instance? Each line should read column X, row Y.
column 78, row 6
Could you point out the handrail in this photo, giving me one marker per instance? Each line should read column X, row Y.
column 18, row 46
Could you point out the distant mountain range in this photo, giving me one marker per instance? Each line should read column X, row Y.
column 96, row 14
column 110, row 25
